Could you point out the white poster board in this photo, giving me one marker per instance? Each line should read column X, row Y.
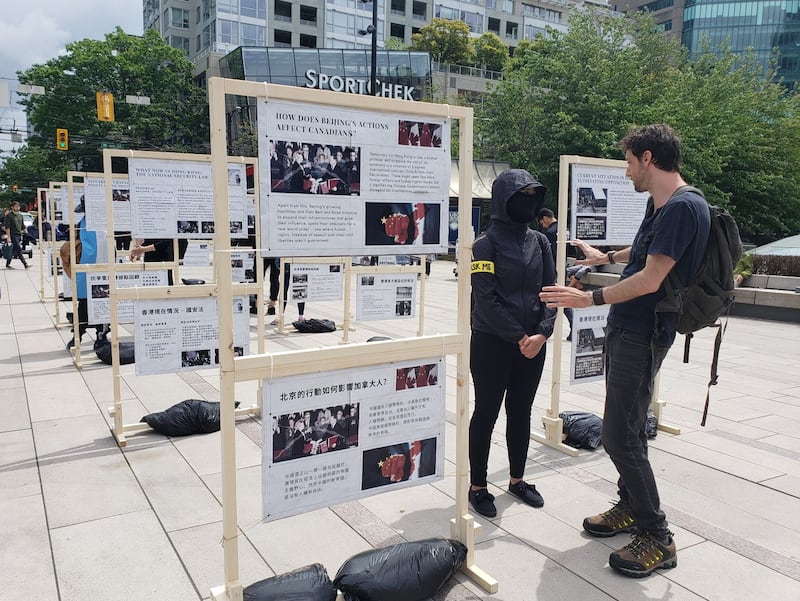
column 99, row 303
column 315, row 282
column 182, row 334
column 386, row 296
column 198, row 254
column 587, row 361
column 95, row 203
column 336, row 436
column 171, row 198
column 242, row 262
column 61, row 206
column 605, row 208
column 353, row 182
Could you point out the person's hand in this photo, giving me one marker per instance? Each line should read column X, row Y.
column 530, row 346
column 563, row 296
column 739, row 279
column 574, row 283
column 136, row 252
column 591, row 254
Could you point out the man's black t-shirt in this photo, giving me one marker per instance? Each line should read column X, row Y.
column 682, row 235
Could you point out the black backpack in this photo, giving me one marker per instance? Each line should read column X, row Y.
column 711, row 290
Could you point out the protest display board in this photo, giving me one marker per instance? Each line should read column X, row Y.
column 173, row 335
column 173, row 199
column 605, row 208
column 315, row 282
column 98, row 293
column 341, row 435
column 386, row 296
column 587, row 362
column 359, row 182
column 95, row 203
column 198, row 253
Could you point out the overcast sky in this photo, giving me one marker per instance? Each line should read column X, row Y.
column 34, row 31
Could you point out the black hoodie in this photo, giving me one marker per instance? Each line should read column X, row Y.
column 511, row 263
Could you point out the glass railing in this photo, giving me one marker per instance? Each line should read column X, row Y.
column 466, row 70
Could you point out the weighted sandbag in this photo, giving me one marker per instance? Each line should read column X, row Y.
column 313, row 326
column 310, row 583
column 411, row 571
column 187, row 417
column 127, row 354
column 584, row 430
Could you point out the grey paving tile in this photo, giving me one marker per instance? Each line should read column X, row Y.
column 19, row 473
column 13, row 409
column 25, row 553
column 58, row 395
column 131, row 552
column 203, row 452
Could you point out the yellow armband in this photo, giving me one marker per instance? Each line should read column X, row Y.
column 482, row 267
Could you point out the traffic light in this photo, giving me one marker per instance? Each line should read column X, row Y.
column 62, row 139
column 105, row 106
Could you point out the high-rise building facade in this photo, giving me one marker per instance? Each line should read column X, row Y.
column 207, row 30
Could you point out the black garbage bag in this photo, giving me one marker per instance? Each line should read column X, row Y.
column 584, row 430
column 310, row 583
column 651, row 425
column 411, row 571
column 127, row 354
column 187, row 417
column 312, row 326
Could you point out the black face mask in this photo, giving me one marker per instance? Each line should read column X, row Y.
column 521, row 207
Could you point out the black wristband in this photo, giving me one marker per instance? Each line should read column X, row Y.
column 597, row 297
column 610, row 255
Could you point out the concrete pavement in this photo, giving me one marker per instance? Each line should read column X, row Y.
column 82, row 519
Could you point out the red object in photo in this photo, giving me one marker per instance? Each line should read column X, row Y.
column 392, row 467
column 396, row 225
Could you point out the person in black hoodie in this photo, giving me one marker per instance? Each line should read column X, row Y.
column 510, row 326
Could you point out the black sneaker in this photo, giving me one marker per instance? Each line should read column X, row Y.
column 527, row 493
column 482, row 501
column 645, row 553
column 270, row 310
column 609, row 523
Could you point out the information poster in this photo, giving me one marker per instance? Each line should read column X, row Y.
column 99, row 302
column 61, row 206
column 95, row 203
column 351, row 182
column 341, row 435
column 198, row 254
column 605, row 208
column 174, row 199
column 315, row 282
column 242, row 262
column 385, row 296
column 587, row 361
column 182, row 334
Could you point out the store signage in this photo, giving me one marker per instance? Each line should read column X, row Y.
column 351, row 85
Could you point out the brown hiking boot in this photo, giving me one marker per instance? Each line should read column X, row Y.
column 644, row 554
column 615, row 520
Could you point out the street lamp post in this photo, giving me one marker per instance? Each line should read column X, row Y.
column 372, row 29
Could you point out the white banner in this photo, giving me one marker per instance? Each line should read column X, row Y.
column 340, row 435
column 605, row 208
column 182, row 334
column 587, row 361
column 99, row 303
column 386, row 296
column 354, row 183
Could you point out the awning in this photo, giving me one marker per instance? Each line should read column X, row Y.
column 483, row 174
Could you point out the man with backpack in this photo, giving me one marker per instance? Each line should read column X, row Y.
column 673, row 237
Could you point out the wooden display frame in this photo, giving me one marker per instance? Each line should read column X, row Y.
column 233, row 369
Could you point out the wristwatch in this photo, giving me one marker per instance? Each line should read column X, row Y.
column 597, row 297
column 610, row 255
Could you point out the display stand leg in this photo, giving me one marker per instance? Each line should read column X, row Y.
column 465, row 529
column 657, row 407
column 553, row 436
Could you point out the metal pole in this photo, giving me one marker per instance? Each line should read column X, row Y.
column 373, row 65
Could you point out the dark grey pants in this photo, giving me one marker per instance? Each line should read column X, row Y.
column 632, row 361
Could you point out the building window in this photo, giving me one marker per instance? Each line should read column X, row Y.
column 493, row 25
column 253, row 8
column 527, row 10
column 209, row 34
column 508, row 6
column 473, row 20
column 491, row 4
column 308, row 41
column 511, row 30
column 283, row 38
column 532, row 32
column 179, row 18
column 197, row 20
column 419, row 10
column 397, row 30
column 283, row 10
column 399, row 7
column 253, row 35
column 180, row 42
column 228, row 6
column 228, row 31
column 656, row 5
column 308, row 16
column 666, row 25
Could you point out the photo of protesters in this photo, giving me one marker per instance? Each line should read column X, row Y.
column 314, row 431
column 313, row 168
column 199, row 358
column 401, row 223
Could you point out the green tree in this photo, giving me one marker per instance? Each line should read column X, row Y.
column 490, row 51
column 394, row 44
column 446, row 41
column 28, row 168
column 578, row 92
column 176, row 118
